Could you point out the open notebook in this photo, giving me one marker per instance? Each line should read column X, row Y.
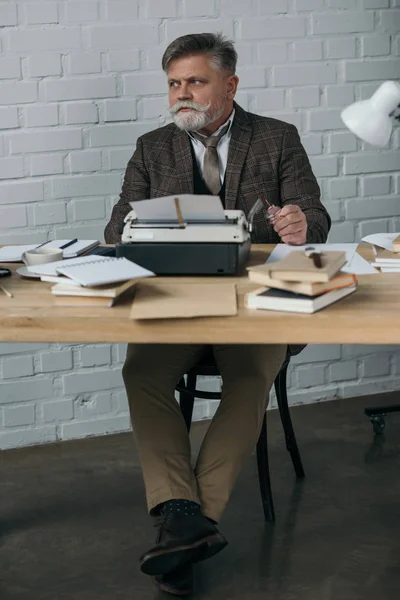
column 102, row 271
column 51, row 267
column 93, row 270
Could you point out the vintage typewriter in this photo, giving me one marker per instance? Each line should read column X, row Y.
column 186, row 235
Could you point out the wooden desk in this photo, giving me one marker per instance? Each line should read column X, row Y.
column 370, row 316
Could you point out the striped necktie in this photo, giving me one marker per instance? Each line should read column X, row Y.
column 211, row 163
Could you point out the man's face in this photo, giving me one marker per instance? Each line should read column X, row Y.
column 198, row 92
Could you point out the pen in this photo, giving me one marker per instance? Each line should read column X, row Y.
column 68, row 244
column 7, row 293
column 315, row 256
column 272, row 211
column 40, row 245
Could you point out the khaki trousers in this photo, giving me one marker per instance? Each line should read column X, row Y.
column 151, row 373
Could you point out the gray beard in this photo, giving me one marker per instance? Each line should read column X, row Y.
column 196, row 120
column 191, row 121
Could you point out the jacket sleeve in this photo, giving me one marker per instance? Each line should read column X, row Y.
column 298, row 185
column 136, row 186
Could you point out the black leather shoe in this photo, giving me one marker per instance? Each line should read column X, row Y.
column 181, row 539
column 178, row 582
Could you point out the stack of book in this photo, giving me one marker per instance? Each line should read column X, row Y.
column 67, row 294
column 387, row 261
column 90, row 280
column 296, row 284
column 95, row 281
column 396, row 244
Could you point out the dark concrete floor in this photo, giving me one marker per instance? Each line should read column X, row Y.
column 73, row 520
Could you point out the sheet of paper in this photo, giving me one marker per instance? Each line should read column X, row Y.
column 359, row 266
column 282, row 250
column 383, row 240
column 193, row 208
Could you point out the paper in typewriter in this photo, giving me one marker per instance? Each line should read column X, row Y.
column 193, row 208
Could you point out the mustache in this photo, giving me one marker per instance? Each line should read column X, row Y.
column 188, row 104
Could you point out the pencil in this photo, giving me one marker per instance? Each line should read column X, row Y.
column 7, row 293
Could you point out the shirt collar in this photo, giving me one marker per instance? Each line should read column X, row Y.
column 229, row 120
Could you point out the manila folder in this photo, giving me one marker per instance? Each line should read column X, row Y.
column 183, row 300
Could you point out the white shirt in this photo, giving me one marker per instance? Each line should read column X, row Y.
column 222, row 148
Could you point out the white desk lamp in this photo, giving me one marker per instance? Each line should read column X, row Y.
column 370, row 119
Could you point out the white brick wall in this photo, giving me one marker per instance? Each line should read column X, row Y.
column 81, row 80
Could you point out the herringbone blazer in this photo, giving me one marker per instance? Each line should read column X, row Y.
column 265, row 160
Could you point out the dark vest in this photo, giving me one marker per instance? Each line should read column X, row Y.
column 199, row 183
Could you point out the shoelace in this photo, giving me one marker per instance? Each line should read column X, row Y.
column 163, row 523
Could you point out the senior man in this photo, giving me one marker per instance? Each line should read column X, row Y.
column 213, row 146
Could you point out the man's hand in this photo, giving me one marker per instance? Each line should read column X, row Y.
column 291, row 225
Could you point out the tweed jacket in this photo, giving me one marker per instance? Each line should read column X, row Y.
column 265, row 160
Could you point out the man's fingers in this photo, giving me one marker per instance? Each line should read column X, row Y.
column 291, row 217
column 282, row 222
column 291, row 225
column 291, row 229
column 294, row 240
column 290, row 209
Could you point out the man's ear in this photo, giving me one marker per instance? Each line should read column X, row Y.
column 232, row 85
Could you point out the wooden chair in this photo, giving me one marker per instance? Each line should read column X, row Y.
column 188, row 392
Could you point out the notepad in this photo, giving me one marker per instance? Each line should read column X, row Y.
column 76, row 249
column 51, row 268
column 14, row 253
column 102, row 271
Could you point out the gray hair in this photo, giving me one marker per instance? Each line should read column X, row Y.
column 220, row 49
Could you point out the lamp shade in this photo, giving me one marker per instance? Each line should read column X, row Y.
column 370, row 119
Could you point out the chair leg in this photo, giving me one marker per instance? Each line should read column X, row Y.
column 186, row 398
column 291, row 443
column 264, row 475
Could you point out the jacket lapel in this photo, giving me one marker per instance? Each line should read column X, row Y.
column 183, row 161
column 238, row 149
